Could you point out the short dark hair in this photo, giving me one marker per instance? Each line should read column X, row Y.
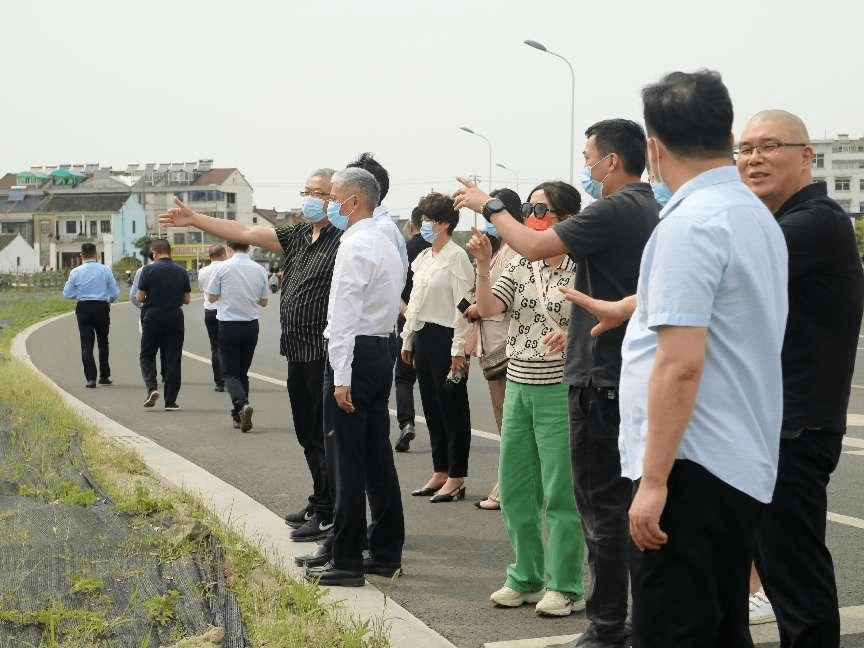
column 160, row 246
column 439, row 208
column 216, row 250
column 511, row 201
column 691, row 113
column 623, row 137
column 370, row 164
column 564, row 199
column 238, row 247
column 417, row 216
column 88, row 250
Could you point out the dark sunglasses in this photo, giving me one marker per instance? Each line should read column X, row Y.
column 539, row 209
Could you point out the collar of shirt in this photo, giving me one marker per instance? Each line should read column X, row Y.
column 716, row 176
column 817, row 189
column 356, row 228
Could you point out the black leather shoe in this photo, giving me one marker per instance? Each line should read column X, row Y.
column 318, row 558
column 375, row 566
column 406, row 436
column 330, row 576
column 452, row 496
column 426, row 490
column 105, row 381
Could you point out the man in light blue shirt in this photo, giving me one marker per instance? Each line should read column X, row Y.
column 701, row 388
column 238, row 287
column 94, row 286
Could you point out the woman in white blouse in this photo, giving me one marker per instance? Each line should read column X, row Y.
column 433, row 338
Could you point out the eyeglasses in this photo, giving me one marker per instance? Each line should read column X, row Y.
column 536, row 208
column 767, row 148
column 323, row 195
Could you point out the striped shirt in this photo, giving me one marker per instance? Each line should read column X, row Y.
column 307, row 270
column 529, row 291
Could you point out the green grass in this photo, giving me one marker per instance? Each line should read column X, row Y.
column 278, row 612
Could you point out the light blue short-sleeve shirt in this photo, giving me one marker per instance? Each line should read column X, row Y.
column 716, row 260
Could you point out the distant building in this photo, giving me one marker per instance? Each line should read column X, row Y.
column 840, row 163
column 16, row 255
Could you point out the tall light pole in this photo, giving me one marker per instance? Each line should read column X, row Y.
column 542, row 48
column 498, row 164
column 468, row 130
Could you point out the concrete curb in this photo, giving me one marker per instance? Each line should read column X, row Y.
column 246, row 517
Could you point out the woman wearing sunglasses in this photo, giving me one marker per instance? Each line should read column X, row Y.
column 535, row 452
column 433, row 338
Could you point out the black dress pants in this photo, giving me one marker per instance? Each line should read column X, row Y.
column 795, row 565
column 603, row 498
column 359, row 451
column 237, row 342
column 94, row 321
column 404, row 376
column 162, row 331
column 212, row 326
column 445, row 405
column 692, row 592
column 305, row 385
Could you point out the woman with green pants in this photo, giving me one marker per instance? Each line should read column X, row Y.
column 535, row 453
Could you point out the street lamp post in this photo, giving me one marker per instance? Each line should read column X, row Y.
column 542, row 48
column 498, row 164
column 468, row 130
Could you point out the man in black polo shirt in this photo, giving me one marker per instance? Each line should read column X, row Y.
column 163, row 289
column 606, row 241
column 826, row 291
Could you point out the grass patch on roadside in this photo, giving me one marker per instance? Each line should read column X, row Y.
column 277, row 611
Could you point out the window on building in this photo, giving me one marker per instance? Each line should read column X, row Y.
column 861, row 184
column 842, row 184
column 179, row 237
column 861, row 207
column 193, row 237
column 818, row 160
column 231, row 216
column 230, row 197
column 133, row 227
column 92, row 228
column 105, row 226
column 254, row 220
column 71, row 227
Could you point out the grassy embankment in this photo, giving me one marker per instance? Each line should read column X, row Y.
column 277, row 611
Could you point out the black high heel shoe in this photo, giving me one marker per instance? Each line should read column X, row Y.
column 452, row 496
column 426, row 490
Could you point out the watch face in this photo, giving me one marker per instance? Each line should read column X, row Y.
column 494, row 205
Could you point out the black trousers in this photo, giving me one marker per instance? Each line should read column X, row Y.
column 692, row 592
column 305, row 389
column 212, row 326
column 162, row 331
column 603, row 498
column 237, row 342
column 361, row 457
column 445, row 405
column 94, row 320
column 404, row 376
column 795, row 565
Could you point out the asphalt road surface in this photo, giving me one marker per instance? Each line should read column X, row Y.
column 455, row 555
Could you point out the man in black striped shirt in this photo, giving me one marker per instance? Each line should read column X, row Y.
column 309, row 253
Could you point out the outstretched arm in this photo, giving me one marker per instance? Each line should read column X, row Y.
column 609, row 314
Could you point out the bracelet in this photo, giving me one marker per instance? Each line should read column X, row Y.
column 486, row 276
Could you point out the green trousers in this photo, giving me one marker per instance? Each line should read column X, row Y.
column 536, row 484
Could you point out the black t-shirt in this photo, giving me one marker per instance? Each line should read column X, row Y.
column 826, row 296
column 165, row 283
column 605, row 240
column 415, row 245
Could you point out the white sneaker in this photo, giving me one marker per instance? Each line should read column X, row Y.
column 508, row 597
column 557, row 604
column 761, row 610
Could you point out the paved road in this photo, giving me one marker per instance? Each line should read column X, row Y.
column 455, row 555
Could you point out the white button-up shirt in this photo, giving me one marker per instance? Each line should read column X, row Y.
column 364, row 294
column 205, row 274
column 241, row 284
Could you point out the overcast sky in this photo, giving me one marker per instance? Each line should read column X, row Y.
column 278, row 88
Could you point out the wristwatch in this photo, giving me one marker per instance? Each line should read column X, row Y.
column 492, row 207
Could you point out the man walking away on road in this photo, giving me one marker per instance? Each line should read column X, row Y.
column 94, row 286
column 217, row 254
column 826, row 289
column 238, row 287
column 163, row 289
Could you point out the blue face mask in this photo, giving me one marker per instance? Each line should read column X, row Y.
column 592, row 187
column 661, row 193
column 491, row 230
column 313, row 209
column 336, row 219
column 426, row 232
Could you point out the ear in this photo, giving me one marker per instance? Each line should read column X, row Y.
column 807, row 156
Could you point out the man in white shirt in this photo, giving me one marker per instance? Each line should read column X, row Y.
column 362, row 310
column 217, row 254
column 238, row 287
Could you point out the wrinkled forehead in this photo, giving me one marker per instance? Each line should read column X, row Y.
column 762, row 129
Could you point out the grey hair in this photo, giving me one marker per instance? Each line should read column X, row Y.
column 325, row 173
column 361, row 181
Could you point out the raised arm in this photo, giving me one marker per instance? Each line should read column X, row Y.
column 487, row 304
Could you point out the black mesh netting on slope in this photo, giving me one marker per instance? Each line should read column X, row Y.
column 92, row 575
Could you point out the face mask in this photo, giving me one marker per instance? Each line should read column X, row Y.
column 539, row 224
column 491, row 230
column 661, row 193
column 427, row 233
column 313, row 209
column 592, row 187
column 336, row 219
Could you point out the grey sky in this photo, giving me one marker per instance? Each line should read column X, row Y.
column 278, row 88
